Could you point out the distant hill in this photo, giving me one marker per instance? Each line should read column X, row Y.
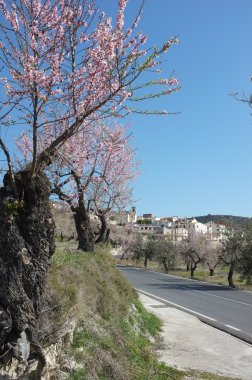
column 227, row 219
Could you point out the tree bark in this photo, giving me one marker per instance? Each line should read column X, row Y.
column 83, row 227
column 166, row 268
column 230, row 276
column 103, row 230
column 145, row 262
column 107, row 237
column 192, row 269
column 26, row 245
column 211, row 272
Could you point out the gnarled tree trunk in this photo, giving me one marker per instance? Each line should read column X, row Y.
column 26, row 245
column 104, row 230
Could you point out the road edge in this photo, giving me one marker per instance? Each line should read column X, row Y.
column 207, row 320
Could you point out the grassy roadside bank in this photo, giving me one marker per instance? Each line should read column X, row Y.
column 114, row 337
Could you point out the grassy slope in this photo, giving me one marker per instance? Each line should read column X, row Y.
column 113, row 336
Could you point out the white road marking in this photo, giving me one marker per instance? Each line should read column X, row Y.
column 199, row 291
column 174, row 304
column 232, row 327
column 188, row 279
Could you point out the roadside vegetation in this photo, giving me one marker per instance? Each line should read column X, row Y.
column 114, row 334
column 114, row 337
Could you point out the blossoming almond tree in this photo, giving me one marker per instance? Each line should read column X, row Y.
column 64, row 65
column 95, row 176
column 112, row 192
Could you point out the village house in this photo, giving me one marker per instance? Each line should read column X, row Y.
column 124, row 217
column 180, row 228
column 217, row 231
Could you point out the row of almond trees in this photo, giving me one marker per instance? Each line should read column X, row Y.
column 234, row 251
column 66, row 69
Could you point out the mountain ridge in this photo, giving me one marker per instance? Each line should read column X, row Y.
column 227, row 219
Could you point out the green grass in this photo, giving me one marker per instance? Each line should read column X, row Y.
column 120, row 347
column 79, row 374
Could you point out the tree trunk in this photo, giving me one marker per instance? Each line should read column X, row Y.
column 187, row 267
column 145, row 262
column 83, row 228
column 107, row 238
column 211, row 272
column 192, row 269
column 166, row 268
column 103, row 230
column 230, row 276
column 26, row 245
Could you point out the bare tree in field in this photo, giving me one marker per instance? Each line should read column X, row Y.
column 192, row 251
column 64, row 66
column 212, row 254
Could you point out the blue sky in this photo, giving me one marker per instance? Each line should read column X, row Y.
column 199, row 161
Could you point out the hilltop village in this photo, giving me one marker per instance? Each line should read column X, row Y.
column 176, row 228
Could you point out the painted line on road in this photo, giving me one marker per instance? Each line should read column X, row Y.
column 175, row 304
column 234, row 332
column 232, row 327
column 223, row 298
column 198, row 291
column 185, row 278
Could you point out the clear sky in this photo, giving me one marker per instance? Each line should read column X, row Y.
column 199, row 161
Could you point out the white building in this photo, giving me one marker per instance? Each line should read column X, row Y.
column 217, row 231
column 191, row 225
column 179, row 233
column 164, row 222
column 124, row 217
column 180, row 228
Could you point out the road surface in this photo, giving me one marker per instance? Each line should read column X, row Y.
column 225, row 308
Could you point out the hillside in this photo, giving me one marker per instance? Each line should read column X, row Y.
column 92, row 325
column 227, row 219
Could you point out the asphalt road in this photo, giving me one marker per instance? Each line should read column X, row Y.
column 222, row 307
